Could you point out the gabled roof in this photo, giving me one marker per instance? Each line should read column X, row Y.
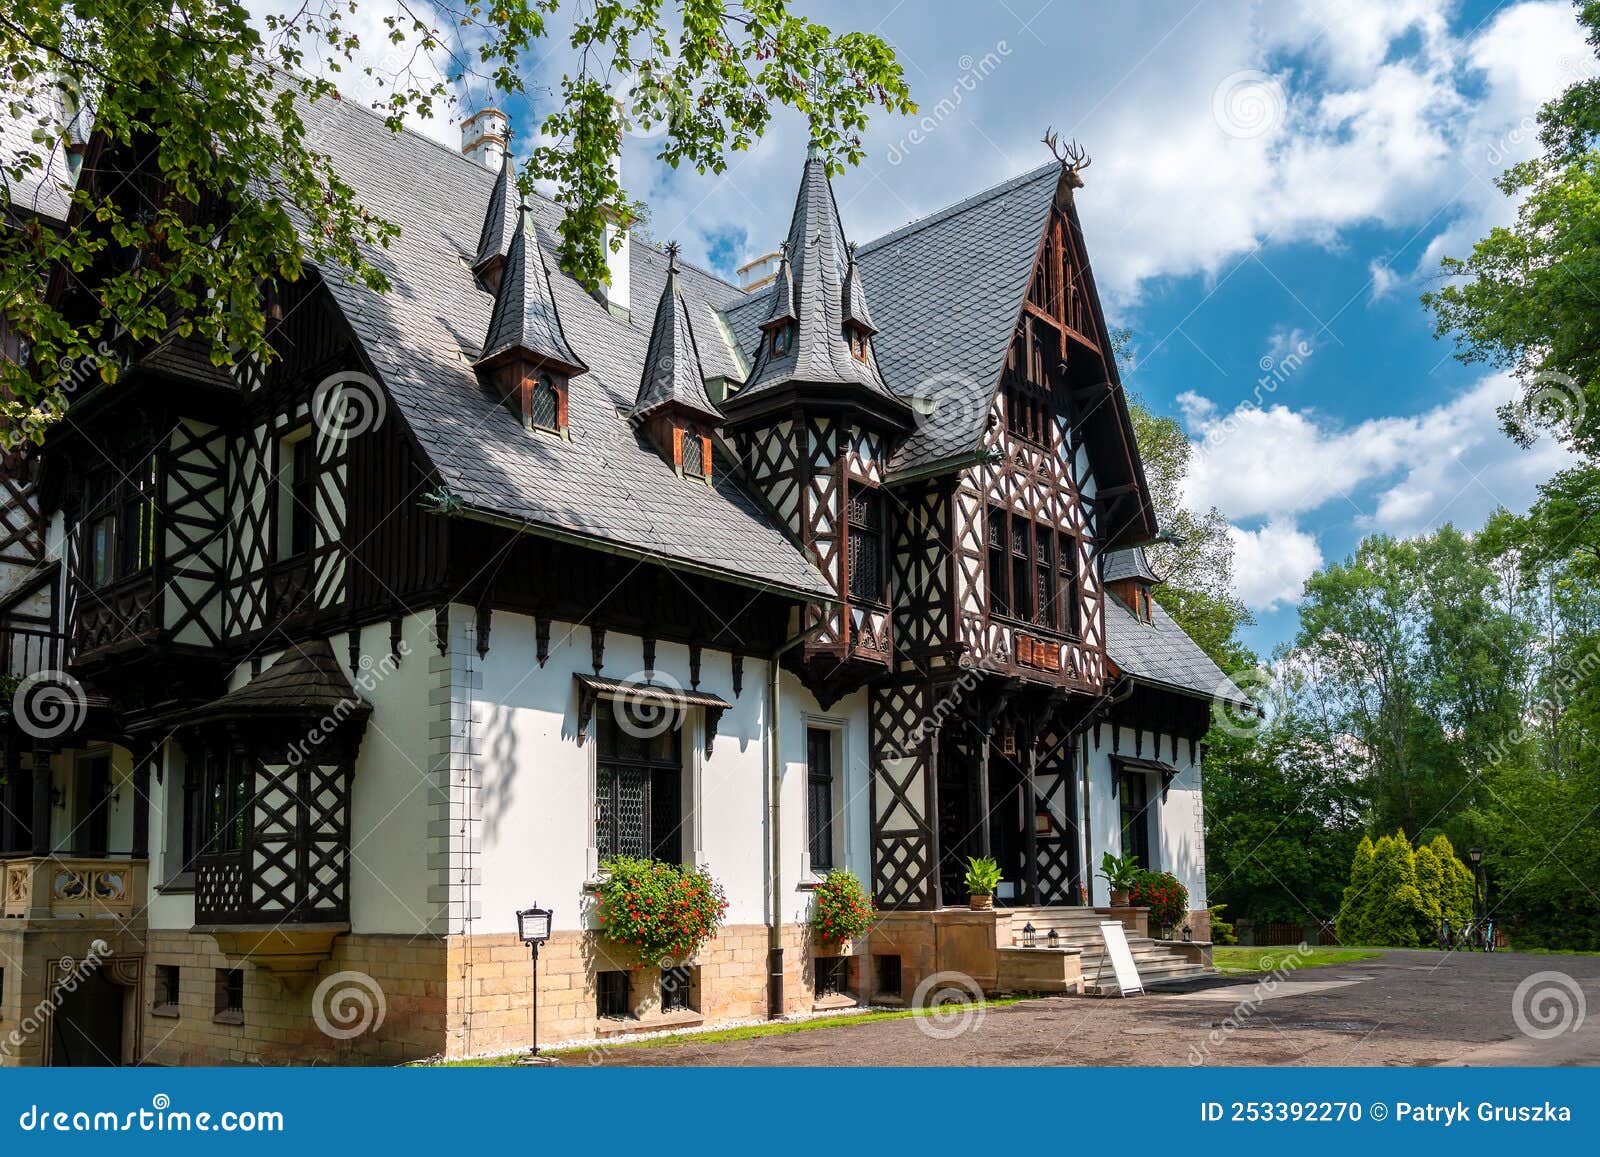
column 525, row 318
column 606, row 485
column 1161, row 652
column 500, row 221
column 816, row 256
column 672, row 371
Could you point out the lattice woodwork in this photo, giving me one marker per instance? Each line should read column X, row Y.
column 194, row 532
column 1054, row 784
column 901, row 796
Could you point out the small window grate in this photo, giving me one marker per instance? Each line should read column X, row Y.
column 833, row 975
column 676, row 984
column 611, row 995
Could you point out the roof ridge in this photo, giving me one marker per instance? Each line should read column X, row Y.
column 940, row 215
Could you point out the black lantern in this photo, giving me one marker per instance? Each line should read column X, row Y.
column 1054, row 939
column 1188, row 932
column 533, row 929
column 1475, row 855
column 1028, row 936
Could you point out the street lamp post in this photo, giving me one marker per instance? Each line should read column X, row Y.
column 533, row 928
column 1475, row 854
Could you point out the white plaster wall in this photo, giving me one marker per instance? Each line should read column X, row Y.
column 1177, row 842
column 168, row 909
column 63, row 834
column 534, row 839
column 390, row 792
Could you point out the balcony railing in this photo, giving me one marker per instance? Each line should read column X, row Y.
column 27, row 650
column 49, row 887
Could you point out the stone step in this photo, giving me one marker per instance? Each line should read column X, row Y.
column 1109, row 987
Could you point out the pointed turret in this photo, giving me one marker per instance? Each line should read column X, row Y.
column 525, row 355
column 499, row 223
column 817, row 333
column 672, row 372
column 672, row 403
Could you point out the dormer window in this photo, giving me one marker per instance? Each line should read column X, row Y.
column 782, row 338
column 545, row 406
column 857, row 339
column 693, row 452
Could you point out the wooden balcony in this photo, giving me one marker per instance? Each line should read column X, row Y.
column 27, row 649
column 70, row 887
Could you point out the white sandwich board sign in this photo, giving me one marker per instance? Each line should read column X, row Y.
column 1116, row 938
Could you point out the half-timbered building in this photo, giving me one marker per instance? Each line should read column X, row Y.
column 324, row 668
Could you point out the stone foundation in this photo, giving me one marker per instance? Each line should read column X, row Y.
column 278, row 1024
column 490, row 979
column 45, row 963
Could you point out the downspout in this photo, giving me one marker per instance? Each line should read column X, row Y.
column 775, row 824
column 1120, row 691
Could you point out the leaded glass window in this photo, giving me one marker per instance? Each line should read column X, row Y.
column 638, row 791
column 866, row 545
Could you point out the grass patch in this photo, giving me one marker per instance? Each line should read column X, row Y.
column 742, row 1032
column 1239, row 959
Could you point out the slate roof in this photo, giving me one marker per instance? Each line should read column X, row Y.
column 672, row 371
column 607, row 484
column 1130, row 563
column 817, row 257
column 307, row 680
column 42, row 191
column 1160, row 652
column 525, row 318
column 500, row 221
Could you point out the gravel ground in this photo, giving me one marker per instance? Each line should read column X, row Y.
column 1402, row 1008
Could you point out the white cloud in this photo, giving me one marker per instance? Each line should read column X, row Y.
column 1271, row 565
column 1399, row 475
column 1384, row 278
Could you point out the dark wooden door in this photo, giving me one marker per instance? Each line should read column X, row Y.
column 958, row 817
column 1007, row 780
column 91, row 820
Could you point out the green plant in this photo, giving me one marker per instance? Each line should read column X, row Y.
column 983, row 875
column 840, row 907
column 662, row 911
column 1161, row 892
column 1222, row 931
column 1119, row 872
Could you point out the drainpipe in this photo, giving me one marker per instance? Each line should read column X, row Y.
column 775, row 824
column 1119, row 691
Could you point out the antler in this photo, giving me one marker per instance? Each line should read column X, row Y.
column 1073, row 157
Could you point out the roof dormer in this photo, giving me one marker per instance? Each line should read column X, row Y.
column 1129, row 576
column 672, row 404
column 526, row 359
column 499, row 223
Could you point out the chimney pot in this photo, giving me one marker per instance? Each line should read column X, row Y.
column 485, row 136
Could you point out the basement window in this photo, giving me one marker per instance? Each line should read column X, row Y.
column 611, row 995
column 167, row 990
column 230, row 996
column 888, row 967
column 833, row 975
column 677, row 989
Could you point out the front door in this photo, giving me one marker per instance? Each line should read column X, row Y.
column 958, row 811
column 1136, row 817
column 91, row 806
column 1008, row 779
column 86, row 1028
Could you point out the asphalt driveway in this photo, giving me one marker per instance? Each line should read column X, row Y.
column 1401, row 1008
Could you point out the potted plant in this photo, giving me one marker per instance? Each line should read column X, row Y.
column 1165, row 896
column 983, row 877
column 1119, row 873
column 661, row 911
column 840, row 908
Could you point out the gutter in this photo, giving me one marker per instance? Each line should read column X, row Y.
column 775, row 823
column 606, row 546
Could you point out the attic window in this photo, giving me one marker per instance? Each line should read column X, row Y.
column 544, row 406
column 782, row 337
column 694, row 452
column 857, row 339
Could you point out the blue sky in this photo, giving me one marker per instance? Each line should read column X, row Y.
column 1272, row 186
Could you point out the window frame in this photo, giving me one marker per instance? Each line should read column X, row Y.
column 830, row 736
column 1005, row 564
column 120, row 509
column 855, row 526
column 546, row 383
column 294, row 513
column 655, row 772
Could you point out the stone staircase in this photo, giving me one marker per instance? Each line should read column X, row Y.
column 1079, row 928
